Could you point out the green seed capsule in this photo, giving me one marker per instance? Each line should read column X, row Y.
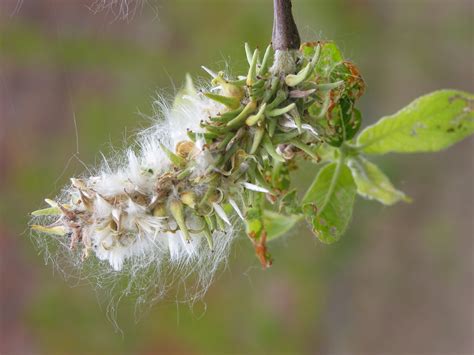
column 259, row 84
column 266, row 61
column 305, row 148
column 220, row 223
column 240, row 119
column 230, row 102
column 272, row 127
column 50, row 211
column 177, row 211
column 232, row 90
column 285, row 137
column 58, row 230
column 281, row 96
column 252, row 74
column 296, row 116
column 185, row 173
column 227, row 138
column 227, row 116
column 295, row 79
column 159, row 211
column 217, row 130
column 174, row 158
column 188, row 198
column 208, row 235
column 257, row 138
column 238, row 82
column 330, row 86
column 267, row 144
column 253, row 119
column 281, row 111
column 248, row 53
column 210, row 222
column 201, row 135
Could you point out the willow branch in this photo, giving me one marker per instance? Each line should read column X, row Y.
column 285, row 33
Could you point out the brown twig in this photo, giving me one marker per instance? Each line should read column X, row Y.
column 285, row 33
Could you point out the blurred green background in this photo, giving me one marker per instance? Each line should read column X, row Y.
column 399, row 282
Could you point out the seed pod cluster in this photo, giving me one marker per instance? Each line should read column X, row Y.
column 233, row 161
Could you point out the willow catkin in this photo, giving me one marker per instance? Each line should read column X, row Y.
column 217, row 156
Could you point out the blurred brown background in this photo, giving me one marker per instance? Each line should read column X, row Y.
column 399, row 282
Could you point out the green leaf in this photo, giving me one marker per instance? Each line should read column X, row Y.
column 290, row 203
column 373, row 184
column 347, row 121
column 328, row 202
column 431, row 123
column 277, row 224
column 327, row 153
column 330, row 57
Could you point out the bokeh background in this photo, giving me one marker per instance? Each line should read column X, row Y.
column 74, row 83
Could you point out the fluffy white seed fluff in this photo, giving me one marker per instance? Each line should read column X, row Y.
column 153, row 258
